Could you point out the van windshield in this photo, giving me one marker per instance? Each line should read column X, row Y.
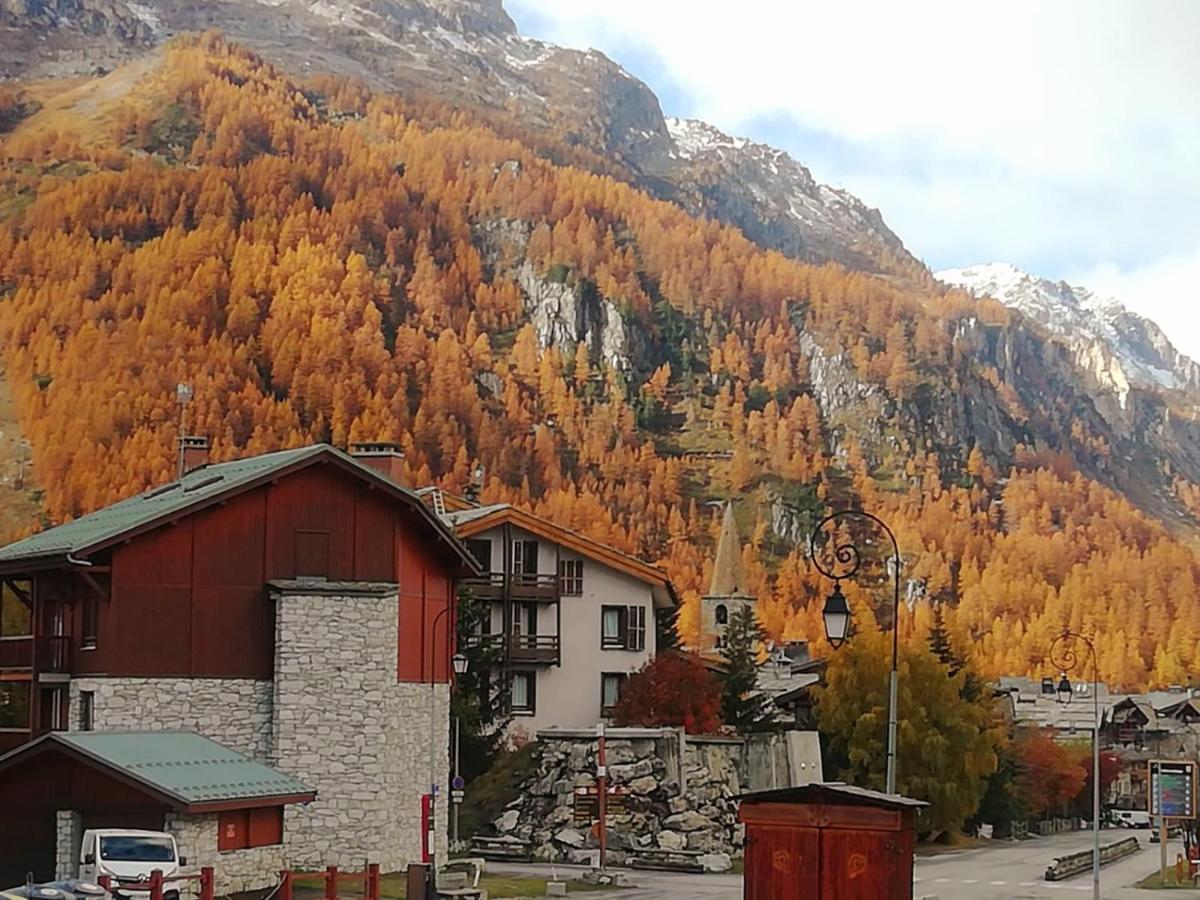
column 131, row 848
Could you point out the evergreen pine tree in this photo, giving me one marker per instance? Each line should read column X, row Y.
column 742, row 705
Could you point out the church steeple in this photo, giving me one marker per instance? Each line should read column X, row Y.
column 727, row 577
column 727, row 590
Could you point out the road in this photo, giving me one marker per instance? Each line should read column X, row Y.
column 1013, row 870
column 1003, row 870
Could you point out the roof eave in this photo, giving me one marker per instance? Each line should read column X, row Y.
column 211, row 806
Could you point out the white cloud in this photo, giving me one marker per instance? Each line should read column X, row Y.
column 1062, row 136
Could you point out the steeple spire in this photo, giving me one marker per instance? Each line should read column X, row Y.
column 727, row 579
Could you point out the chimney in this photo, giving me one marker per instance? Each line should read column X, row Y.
column 475, row 486
column 386, row 459
column 193, row 453
column 1048, row 688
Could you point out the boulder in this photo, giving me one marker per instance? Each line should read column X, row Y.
column 508, row 821
column 546, row 853
column 671, row 840
column 715, row 862
column 688, row 821
column 570, row 837
column 625, row 774
column 702, row 840
column 647, row 784
column 561, row 816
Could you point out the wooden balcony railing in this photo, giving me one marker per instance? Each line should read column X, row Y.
column 52, row 653
column 16, row 652
column 522, row 648
column 497, row 586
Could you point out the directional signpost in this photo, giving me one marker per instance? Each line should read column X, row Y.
column 1172, row 785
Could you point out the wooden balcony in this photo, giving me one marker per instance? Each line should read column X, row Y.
column 52, row 653
column 522, row 648
column 499, row 586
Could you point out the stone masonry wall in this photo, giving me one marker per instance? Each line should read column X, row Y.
column 69, row 838
column 235, row 712
column 345, row 726
column 680, row 807
column 233, row 870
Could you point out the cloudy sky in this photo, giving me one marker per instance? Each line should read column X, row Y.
column 1062, row 137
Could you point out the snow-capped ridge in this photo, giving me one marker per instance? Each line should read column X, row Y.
column 1120, row 349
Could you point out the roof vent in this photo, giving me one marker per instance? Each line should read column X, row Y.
column 203, row 483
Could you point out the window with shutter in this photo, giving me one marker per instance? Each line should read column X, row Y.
column 635, row 628
column 613, row 627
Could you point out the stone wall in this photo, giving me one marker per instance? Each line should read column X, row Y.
column 235, row 712
column 69, row 838
column 678, row 794
column 346, row 727
column 233, row 870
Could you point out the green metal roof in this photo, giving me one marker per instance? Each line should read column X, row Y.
column 200, row 486
column 185, row 766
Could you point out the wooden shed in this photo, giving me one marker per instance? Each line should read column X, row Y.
column 828, row 841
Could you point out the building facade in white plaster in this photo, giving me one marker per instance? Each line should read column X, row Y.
column 344, row 725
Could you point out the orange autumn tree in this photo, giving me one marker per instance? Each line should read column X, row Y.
column 1050, row 775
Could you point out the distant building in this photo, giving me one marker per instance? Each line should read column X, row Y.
column 571, row 617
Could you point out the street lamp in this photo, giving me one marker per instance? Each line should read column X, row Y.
column 837, row 617
column 837, row 612
column 1063, row 657
column 460, row 663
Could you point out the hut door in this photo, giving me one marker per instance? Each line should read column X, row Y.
column 860, row 864
column 783, row 864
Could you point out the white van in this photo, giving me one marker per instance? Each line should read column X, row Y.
column 129, row 856
column 1131, row 818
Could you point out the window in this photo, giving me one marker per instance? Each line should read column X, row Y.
column 51, row 708
column 91, row 616
column 623, row 627
column 611, row 684
column 87, row 703
column 721, row 614
column 14, row 705
column 524, row 618
column 16, row 609
column 481, row 549
column 521, row 696
column 570, row 577
column 525, row 557
column 239, row 829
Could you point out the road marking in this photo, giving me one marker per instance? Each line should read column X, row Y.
column 1030, row 883
column 941, row 881
column 998, row 883
column 970, row 881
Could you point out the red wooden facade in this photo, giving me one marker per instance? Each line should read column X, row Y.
column 189, row 598
column 817, row 843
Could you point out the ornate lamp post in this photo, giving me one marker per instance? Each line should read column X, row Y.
column 459, row 662
column 1063, row 656
column 837, row 611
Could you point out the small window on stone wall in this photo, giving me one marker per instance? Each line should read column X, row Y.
column 239, row 829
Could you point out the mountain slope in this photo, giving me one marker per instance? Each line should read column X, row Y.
column 468, row 51
column 323, row 262
column 1118, row 348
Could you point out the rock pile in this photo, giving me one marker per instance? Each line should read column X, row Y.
column 658, row 815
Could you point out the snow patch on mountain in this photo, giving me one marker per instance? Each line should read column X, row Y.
column 1119, row 348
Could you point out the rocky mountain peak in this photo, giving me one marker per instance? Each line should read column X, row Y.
column 1120, row 349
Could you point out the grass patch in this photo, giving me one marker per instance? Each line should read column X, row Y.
column 394, row 886
column 485, row 797
column 1154, row 882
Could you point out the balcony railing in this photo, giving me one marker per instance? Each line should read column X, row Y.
column 497, row 586
column 51, row 652
column 16, row 652
column 522, row 648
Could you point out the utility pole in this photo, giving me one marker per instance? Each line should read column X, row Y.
column 602, row 793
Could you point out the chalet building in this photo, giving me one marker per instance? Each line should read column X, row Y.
column 571, row 618
column 295, row 608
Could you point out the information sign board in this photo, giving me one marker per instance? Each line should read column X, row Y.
column 1172, row 786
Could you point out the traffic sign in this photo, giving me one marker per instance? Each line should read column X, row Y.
column 456, row 796
column 458, row 782
column 1172, row 789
